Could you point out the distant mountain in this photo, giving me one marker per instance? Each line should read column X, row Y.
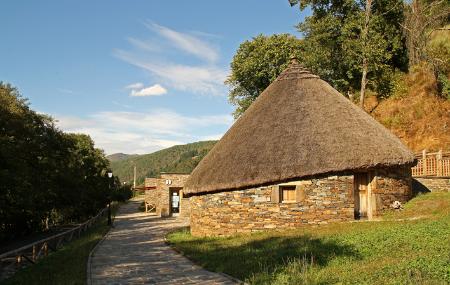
column 179, row 158
column 119, row 156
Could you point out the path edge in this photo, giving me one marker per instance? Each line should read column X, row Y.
column 91, row 254
column 173, row 248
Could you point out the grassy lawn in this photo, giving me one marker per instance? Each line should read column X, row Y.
column 414, row 250
column 65, row 266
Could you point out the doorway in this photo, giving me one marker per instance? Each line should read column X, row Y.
column 362, row 195
column 174, row 197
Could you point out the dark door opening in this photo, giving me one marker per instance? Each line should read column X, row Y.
column 174, row 200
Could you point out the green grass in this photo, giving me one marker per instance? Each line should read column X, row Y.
column 65, row 266
column 410, row 247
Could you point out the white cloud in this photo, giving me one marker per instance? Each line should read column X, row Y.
column 186, row 42
column 205, row 77
column 155, row 90
column 135, row 132
column 137, row 85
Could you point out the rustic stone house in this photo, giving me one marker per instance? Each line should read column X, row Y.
column 165, row 193
column 301, row 154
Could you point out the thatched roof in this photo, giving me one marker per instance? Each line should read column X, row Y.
column 298, row 127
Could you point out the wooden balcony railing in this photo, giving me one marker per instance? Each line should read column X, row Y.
column 432, row 164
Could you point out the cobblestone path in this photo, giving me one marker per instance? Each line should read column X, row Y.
column 134, row 252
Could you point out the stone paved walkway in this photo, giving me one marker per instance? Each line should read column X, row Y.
column 134, row 252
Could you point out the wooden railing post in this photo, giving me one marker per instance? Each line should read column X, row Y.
column 45, row 247
column 33, row 255
column 439, row 163
column 424, row 162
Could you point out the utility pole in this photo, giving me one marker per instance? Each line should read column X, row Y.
column 134, row 178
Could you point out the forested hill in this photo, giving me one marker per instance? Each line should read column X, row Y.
column 119, row 156
column 179, row 158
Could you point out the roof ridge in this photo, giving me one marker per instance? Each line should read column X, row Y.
column 296, row 70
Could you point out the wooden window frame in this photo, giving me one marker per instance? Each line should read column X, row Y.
column 292, row 188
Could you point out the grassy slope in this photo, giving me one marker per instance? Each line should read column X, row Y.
column 416, row 113
column 418, row 116
column 387, row 252
column 65, row 266
column 180, row 158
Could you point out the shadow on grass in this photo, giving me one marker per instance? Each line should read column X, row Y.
column 244, row 256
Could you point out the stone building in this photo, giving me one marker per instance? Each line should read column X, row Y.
column 301, row 154
column 166, row 194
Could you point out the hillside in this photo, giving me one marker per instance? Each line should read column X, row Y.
column 119, row 156
column 417, row 114
column 179, row 158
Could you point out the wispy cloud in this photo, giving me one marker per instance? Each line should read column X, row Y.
column 154, row 90
column 198, row 79
column 186, row 42
column 135, row 132
column 133, row 86
column 144, row 45
column 206, row 77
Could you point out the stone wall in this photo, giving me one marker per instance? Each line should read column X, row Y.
column 185, row 207
column 317, row 201
column 323, row 200
column 390, row 185
column 162, row 191
column 433, row 184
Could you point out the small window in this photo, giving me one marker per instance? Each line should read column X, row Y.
column 287, row 194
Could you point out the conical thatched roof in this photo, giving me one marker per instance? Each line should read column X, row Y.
column 298, row 127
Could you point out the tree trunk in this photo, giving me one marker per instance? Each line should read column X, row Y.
column 363, row 83
column 365, row 64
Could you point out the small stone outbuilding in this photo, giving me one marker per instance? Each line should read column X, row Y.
column 302, row 154
column 165, row 193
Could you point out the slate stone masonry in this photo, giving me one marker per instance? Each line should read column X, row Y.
column 318, row 201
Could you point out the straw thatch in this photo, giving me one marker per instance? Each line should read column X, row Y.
column 298, row 127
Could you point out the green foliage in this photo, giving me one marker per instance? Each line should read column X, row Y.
column 444, row 85
column 405, row 251
column 122, row 193
column 256, row 64
column 438, row 51
column 180, row 158
column 47, row 177
column 397, row 86
column 334, row 47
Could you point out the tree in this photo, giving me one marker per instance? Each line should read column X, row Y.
column 423, row 17
column 46, row 176
column 256, row 64
column 354, row 44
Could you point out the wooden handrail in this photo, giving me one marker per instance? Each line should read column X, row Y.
column 32, row 252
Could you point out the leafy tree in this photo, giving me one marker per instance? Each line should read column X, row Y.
column 352, row 44
column 256, row 64
column 423, row 17
column 47, row 177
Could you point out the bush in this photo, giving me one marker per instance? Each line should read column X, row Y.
column 443, row 85
column 122, row 193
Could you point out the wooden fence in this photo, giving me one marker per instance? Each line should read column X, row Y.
column 13, row 260
column 432, row 164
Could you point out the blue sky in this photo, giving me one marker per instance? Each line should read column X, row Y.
column 137, row 76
